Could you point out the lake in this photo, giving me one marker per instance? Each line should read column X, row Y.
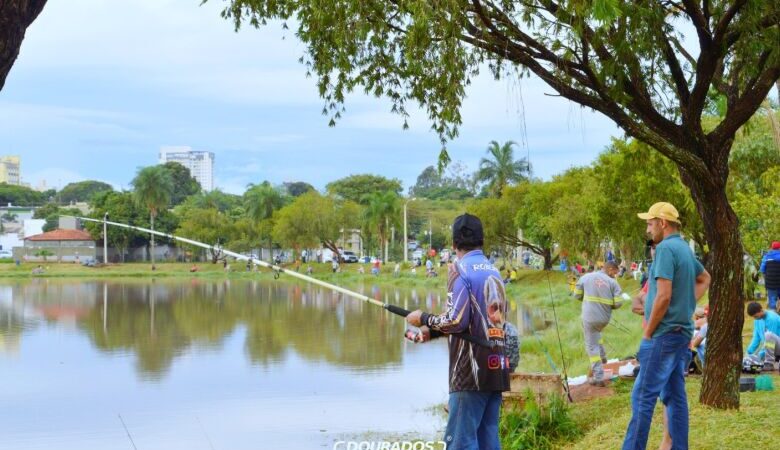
column 215, row 364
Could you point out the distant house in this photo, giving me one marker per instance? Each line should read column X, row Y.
column 58, row 245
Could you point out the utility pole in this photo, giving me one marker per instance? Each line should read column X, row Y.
column 406, row 234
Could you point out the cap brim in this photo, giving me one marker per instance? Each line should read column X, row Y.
column 645, row 216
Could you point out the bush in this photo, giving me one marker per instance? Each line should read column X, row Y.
column 536, row 426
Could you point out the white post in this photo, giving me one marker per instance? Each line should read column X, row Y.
column 406, row 234
column 430, row 233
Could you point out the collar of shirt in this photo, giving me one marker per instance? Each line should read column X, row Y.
column 476, row 252
column 673, row 236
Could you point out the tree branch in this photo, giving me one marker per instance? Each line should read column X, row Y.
column 744, row 107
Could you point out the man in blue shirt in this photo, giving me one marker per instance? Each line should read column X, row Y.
column 770, row 268
column 478, row 372
column 677, row 280
column 766, row 334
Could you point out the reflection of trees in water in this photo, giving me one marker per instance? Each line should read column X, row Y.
column 161, row 320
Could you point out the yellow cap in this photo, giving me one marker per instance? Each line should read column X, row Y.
column 661, row 210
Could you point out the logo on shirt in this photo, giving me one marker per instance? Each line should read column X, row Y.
column 494, row 362
column 495, row 333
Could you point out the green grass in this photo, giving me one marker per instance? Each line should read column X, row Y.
column 537, row 426
column 604, row 421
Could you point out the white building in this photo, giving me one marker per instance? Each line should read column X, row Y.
column 200, row 164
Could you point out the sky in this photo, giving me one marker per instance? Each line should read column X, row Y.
column 100, row 86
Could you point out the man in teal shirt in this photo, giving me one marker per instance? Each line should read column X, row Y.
column 677, row 280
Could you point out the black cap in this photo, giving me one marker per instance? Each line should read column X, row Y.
column 467, row 231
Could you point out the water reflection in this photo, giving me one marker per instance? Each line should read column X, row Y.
column 161, row 320
column 270, row 362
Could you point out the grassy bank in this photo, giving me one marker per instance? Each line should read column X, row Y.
column 349, row 274
column 604, row 421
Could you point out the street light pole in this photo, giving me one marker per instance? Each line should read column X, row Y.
column 406, row 235
column 105, row 239
column 430, row 233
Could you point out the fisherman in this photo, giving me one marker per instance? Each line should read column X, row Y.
column 766, row 334
column 476, row 306
column 677, row 280
column 599, row 294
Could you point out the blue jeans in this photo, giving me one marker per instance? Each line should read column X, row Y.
column 663, row 363
column 473, row 421
column 771, row 295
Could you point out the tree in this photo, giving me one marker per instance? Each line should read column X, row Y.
column 121, row 208
column 207, row 225
column 297, row 188
column 20, row 195
column 357, row 187
column 501, row 169
column 153, row 187
column 571, row 215
column 432, row 185
column 51, row 212
column 184, row 184
column 625, row 60
column 16, row 16
column 630, row 176
column 214, row 199
column 82, row 191
column 260, row 201
column 382, row 209
column 523, row 207
column 308, row 221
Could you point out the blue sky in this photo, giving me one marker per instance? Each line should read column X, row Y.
column 100, row 85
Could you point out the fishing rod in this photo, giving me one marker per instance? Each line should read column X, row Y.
column 278, row 269
column 560, row 343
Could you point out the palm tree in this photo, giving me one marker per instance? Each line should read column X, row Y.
column 261, row 200
column 382, row 211
column 153, row 188
column 502, row 169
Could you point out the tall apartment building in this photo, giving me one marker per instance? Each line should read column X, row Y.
column 200, row 164
column 10, row 170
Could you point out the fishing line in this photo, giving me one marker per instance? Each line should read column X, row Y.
column 560, row 343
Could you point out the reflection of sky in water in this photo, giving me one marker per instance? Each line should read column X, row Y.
column 61, row 391
column 243, row 365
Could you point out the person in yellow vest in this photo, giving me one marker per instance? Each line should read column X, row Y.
column 599, row 294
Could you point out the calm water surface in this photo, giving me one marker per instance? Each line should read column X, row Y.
column 201, row 364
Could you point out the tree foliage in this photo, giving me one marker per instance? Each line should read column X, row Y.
column 297, row 188
column 121, row 208
column 184, row 184
column 357, row 187
column 431, row 184
column 501, row 169
column 82, row 191
column 20, row 195
column 307, row 222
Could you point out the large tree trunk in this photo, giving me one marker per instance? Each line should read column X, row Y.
column 15, row 17
column 720, row 387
